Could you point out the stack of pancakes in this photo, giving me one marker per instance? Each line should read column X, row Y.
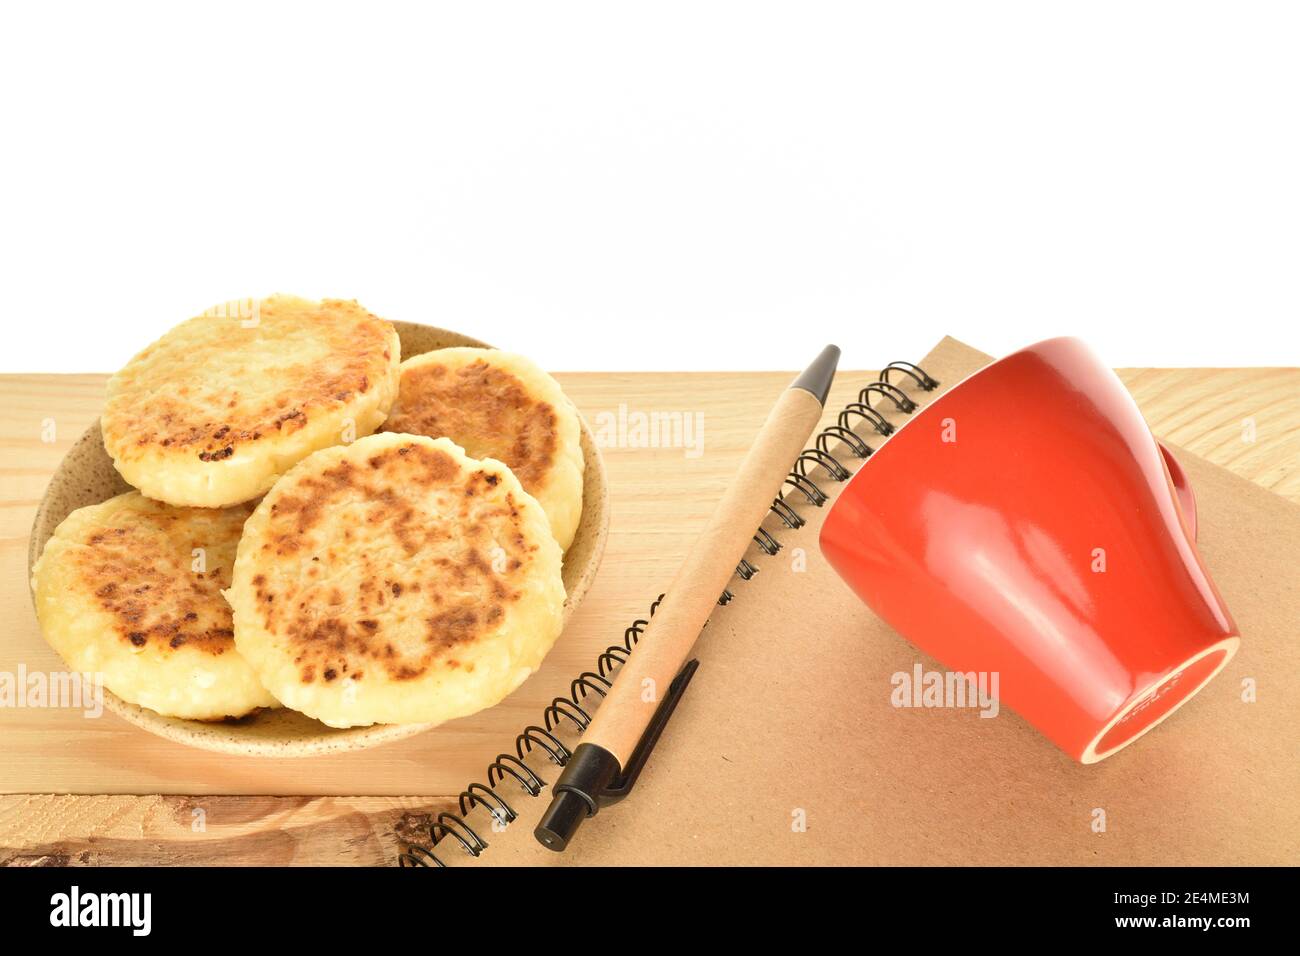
column 283, row 551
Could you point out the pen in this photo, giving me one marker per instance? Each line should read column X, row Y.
column 627, row 725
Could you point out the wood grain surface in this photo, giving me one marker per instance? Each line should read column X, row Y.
column 68, row 782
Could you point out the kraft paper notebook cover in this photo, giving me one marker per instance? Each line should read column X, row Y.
column 786, row 748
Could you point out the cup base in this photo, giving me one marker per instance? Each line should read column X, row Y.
column 1158, row 701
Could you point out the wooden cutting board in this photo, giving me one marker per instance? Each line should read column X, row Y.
column 660, row 497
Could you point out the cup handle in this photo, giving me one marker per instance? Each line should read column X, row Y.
column 1182, row 489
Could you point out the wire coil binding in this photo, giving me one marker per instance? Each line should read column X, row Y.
column 571, row 710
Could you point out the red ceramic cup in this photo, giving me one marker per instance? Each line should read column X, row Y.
column 1028, row 523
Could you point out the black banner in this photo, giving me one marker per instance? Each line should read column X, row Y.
column 915, row 904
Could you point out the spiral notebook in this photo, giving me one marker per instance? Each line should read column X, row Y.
column 787, row 747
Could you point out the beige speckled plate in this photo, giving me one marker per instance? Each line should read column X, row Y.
column 86, row 476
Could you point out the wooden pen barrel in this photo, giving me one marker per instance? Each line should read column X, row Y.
column 702, row 577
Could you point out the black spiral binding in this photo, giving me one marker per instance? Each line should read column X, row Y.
column 570, row 709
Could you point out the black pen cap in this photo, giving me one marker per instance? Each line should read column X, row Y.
column 817, row 377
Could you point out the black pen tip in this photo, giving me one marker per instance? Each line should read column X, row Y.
column 817, row 377
column 561, row 820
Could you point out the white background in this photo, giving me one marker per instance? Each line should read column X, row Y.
column 608, row 186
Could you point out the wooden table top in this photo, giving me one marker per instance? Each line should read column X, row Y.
column 104, row 792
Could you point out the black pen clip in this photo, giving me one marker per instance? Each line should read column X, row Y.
column 621, row 786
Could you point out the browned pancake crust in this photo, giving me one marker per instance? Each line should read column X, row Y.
column 397, row 556
column 213, row 416
column 142, row 576
column 484, row 409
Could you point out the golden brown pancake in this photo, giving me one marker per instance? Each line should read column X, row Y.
column 215, row 410
column 499, row 405
column 131, row 589
column 396, row 580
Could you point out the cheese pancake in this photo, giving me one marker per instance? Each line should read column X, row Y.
column 396, row 580
column 223, row 404
column 130, row 589
column 499, row 405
